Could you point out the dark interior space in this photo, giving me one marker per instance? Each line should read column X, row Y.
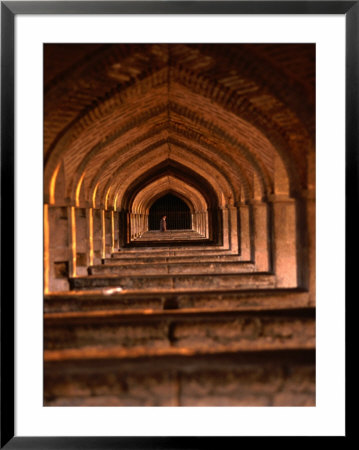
column 177, row 213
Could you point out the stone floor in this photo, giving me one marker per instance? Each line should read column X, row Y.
column 178, row 326
column 172, row 235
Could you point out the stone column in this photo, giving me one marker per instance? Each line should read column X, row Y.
column 97, row 236
column 56, row 248
column 194, row 221
column 206, row 225
column 311, row 227
column 103, row 234
column 46, row 250
column 108, row 233
column 306, row 238
column 72, row 240
column 116, row 225
column 284, row 240
column 123, row 228
column 81, row 223
column 89, row 213
column 112, row 231
column 245, row 232
column 232, row 211
column 260, row 235
column 226, row 227
column 132, row 228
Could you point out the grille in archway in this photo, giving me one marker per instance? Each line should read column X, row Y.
column 177, row 212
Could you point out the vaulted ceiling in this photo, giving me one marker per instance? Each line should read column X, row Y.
column 239, row 118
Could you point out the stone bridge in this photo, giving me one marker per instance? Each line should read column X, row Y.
column 219, row 309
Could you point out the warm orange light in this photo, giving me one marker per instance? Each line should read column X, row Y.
column 78, row 189
column 46, row 249
column 103, row 233
column 112, row 231
column 115, row 203
column 53, row 184
column 94, row 196
column 73, row 239
column 106, row 198
column 91, row 235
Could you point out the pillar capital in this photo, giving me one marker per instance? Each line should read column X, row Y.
column 255, row 202
column 308, row 194
column 280, row 199
column 242, row 204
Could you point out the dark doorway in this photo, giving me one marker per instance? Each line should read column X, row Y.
column 177, row 212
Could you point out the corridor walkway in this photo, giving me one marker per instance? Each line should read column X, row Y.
column 170, row 235
column 178, row 326
column 220, row 139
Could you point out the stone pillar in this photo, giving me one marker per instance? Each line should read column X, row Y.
column 131, row 226
column 245, row 232
column 260, row 235
column 311, row 227
column 103, row 234
column 116, row 226
column 97, row 236
column 139, row 226
column 89, row 213
column 72, row 240
column 46, row 250
column 81, row 224
column 306, row 227
column 232, row 211
column 108, row 233
column 56, row 248
column 206, row 225
column 112, row 231
column 226, row 227
column 194, row 221
column 123, row 228
column 216, row 225
column 284, row 241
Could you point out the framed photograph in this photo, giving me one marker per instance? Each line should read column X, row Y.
column 175, row 242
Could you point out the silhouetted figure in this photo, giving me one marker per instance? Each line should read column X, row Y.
column 163, row 224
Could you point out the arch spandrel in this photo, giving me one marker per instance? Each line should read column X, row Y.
column 143, row 200
column 169, row 130
column 203, row 148
column 174, row 170
column 199, row 166
column 216, row 111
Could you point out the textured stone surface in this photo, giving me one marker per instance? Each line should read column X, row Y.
column 249, row 379
column 218, row 315
column 195, row 328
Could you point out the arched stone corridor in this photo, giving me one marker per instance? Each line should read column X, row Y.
column 219, row 309
column 176, row 211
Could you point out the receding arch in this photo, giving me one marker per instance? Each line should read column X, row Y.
column 176, row 170
column 144, row 199
column 172, row 106
column 175, row 209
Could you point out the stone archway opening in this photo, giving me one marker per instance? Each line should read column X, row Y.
column 175, row 209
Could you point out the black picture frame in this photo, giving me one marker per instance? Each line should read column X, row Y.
column 9, row 9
